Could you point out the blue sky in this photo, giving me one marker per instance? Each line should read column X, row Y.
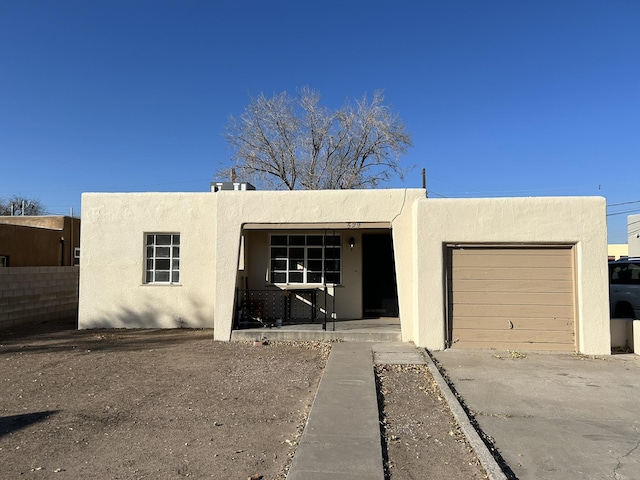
column 502, row 98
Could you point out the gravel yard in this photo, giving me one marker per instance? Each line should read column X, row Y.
column 135, row 404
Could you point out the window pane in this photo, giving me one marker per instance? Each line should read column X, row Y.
column 163, row 264
column 149, row 277
column 278, row 264
column 149, row 252
column 175, row 276
column 296, row 253
column 176, row 252
column 150, row 239
column 314, row 277
column 332, row 265
column 314, row 253
column 163, row 252
column 332, row 277
column 176, row 239
column 314, row 240
column 163, row 239
column 315, row 265
column 278, row 240
column 175, row 263
column 279, row 252
column 162, row 276
column 332, row 240
column 331, row 252
column 278, row 277
column 295, row 277
column 296, row 239
column 150, row 264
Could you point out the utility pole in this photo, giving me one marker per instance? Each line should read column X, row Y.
column 424, row 182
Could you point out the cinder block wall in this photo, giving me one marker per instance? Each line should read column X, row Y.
column 35, row 294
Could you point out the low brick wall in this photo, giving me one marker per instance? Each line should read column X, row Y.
column 36, row 294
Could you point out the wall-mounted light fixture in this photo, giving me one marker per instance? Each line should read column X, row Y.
column 352, row 243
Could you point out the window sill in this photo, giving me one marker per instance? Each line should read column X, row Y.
column 303, row 286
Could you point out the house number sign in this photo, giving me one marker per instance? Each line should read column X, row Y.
column 353, row 225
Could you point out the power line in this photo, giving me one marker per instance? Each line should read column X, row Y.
column 623, row 203
column 430, row 192
column 625, row 212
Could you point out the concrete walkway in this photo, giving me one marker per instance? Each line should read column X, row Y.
column 342, row 437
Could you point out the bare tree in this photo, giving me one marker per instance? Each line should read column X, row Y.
column 293, row 143
column 18, row 205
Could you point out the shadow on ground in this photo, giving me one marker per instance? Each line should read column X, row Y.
column 63, row 335
column 14, row 423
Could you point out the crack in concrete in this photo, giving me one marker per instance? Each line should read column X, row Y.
column 619, row 464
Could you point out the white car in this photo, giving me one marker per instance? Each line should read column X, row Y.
column 624, row 288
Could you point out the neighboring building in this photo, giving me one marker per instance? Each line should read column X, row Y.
column 633, row 229
column 516, row 273
column 39, row 241
column 617, row 250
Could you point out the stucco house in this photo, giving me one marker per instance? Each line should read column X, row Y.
column 521, row 273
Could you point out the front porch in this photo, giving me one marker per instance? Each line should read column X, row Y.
column 383, row 329
column 316, row 282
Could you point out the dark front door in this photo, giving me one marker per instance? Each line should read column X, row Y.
column 379, row 292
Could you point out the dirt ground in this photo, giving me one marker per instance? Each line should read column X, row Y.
column 422, row 439
column 135, row 404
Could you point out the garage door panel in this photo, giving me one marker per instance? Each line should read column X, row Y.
column 507, row 311
column 531, row 261
column 506, row 297
column 547, row 346
column 515, row 285
column 476, row 251
column 492, row 323
column 516, row 299
column 514, row 336
column 510, row 273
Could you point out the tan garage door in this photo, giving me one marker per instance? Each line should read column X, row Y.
column 511, row 298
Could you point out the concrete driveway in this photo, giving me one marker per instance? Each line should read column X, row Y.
column 553, row 416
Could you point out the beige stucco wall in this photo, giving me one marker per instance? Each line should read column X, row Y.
column 112, row 293
column 577, row 221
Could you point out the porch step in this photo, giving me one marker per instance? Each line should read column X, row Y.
column 280, row 335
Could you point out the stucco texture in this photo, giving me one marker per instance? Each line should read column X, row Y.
column 112, row 292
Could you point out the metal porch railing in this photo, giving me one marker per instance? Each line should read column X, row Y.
column 277, row 308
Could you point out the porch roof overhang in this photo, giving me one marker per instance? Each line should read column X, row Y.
column 317, row 226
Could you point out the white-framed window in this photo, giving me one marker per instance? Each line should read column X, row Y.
column 305, row 259
column 162, row 258
column 76, row 256
column 4, row 261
